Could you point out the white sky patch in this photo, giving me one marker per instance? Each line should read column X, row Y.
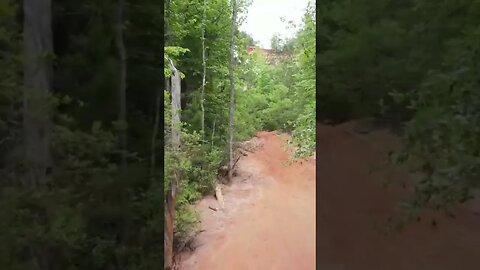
column 264, row 19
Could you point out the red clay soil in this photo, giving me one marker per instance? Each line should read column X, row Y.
column 268, row 221
column 350, row 200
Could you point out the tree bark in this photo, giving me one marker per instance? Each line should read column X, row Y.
column 232, row 91
column 213, row 132
column 166, row 26
column 171, row 195
column 155, row 133
column 176, row 106
column 204, row 65
column 38, row 50
column 122, row 89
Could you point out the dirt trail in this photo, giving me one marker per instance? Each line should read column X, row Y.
column 351, row 199
column 269, row 217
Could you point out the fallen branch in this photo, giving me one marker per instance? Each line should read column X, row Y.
column 224, row 170
column 213, row 208
column 243, row 152
column 235, row 163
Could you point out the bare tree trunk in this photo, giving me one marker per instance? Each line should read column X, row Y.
column 122, row 114
column 166, row 25
column 176, row 106
column 156, row 126
column 171, row 195
column 38, row 49
column 213, row 132
column 232, row 91
column 204, row 64
column 167, row 85
column 155, row 133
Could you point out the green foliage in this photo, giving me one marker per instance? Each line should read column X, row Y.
column 304, row 135
column 263, row 99
column 197, row 163
column 10, row 78
column 412, row 65
column 443, row 133
column 266, row 97
column 172, row 53
column 281, row 97
column 90, row 214
column 88, row 207
column 264, row 102
column 186, row 219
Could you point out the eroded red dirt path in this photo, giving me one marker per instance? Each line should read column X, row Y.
column 350, row 201
column 268, row 222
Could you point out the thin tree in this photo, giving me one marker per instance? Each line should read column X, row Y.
column 122, row 88
column 204, row 65
column 232, row 91
column 171, row 195
column 167, row 88
column 38, row 48
column 155, row 133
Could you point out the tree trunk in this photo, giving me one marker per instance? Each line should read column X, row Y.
column 122, row 89
column 204, row 64
column 213, row 132
column 38, row 50
column 166, row 25
column 155, row 133
column 232, row 91
column 176, row 106
column 171, row 195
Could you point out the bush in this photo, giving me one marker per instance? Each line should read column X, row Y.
column 89, row 216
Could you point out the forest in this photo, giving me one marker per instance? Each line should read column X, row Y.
column 403, row 192
column 83, row 90
column 85, row 170
column 80, row 177
column 412, row 66
column 226, row 96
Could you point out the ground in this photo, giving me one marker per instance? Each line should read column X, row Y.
column 351, row 200
column 270, row 214
column 268, row 221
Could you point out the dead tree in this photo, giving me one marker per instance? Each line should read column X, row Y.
column 172, row 191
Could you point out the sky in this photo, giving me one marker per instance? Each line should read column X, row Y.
column 264, row 19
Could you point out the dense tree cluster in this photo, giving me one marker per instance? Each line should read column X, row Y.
column 81, row 149
column 81, row 93
column 67, row 200
column 413, row 65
